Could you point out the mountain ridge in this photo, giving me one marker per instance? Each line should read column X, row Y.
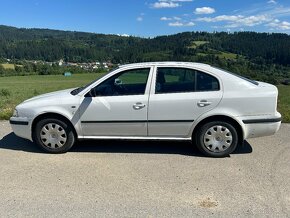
column 259, row 55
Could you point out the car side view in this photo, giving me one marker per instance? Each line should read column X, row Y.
column 215, row 109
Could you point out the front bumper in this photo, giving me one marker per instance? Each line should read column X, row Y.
column 21, row 126
column 261, row 127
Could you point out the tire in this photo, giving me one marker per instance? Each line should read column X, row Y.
column 216, row 139
column 53, row 136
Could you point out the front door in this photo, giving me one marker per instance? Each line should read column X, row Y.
column 118, row 106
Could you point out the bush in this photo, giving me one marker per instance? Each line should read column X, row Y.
column 5, row 113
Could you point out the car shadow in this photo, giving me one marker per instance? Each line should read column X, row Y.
column 12, row 142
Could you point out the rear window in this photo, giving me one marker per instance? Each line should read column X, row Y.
column 237, row 75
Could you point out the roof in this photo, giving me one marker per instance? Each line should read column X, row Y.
column 173, row 63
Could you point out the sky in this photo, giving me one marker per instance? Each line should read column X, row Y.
column 148, row 18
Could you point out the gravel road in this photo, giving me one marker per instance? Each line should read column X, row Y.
column 144, row 179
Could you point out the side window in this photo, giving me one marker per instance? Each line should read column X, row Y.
column 206, row 82
column 174, row 80
column 130, row 82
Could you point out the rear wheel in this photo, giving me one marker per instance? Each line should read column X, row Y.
column 53, row 135
column 216, row 139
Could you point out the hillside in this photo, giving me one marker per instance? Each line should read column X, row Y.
column 258, row 55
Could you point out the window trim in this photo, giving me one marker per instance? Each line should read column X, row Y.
column 185, row 92
column 122, row 71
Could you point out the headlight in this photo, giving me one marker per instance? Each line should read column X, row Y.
column 15, row 113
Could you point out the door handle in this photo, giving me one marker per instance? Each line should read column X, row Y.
column 203, row 103
column 138, row 106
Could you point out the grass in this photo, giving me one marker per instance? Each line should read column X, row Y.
column 14, row 90
column 196, row 44
column 228, row 55
column 284, row 102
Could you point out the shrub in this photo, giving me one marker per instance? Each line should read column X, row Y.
column 5, row 113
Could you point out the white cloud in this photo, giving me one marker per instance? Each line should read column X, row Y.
column 180, row 24
column 165, row 18
column 140, row 19
column 165, row 5
column 269, row 16
column 177, row 23
column 238, row 20
column 176, row 18
column 254, row 20
column 221, row 18
column 204, row 10
column 182, row 0
column 278, row 25
column 170, row 18
column 272, row 2
column 279, row 11
column 190, row 24
column 168, row 3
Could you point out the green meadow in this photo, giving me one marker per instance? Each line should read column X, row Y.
column 14, row 90
column 284, row 102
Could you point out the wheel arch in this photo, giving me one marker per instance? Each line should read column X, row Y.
column 52, row 115
column 224, row 118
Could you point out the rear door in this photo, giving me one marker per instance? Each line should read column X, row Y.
column 178, row 97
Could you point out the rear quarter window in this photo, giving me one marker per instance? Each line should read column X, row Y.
column 206, row 82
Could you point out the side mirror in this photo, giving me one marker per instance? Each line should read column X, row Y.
column 91, row 93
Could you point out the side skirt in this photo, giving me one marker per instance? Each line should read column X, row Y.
column 136, row 138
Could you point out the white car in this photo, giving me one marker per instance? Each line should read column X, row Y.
column 214, row 108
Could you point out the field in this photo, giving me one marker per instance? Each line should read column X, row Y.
column 221, row 55
column 196, row 44
column 284, row 102
column 14, row 90
column 8, row 66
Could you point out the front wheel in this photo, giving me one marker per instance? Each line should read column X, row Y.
column 53, row 136
column 216, row 139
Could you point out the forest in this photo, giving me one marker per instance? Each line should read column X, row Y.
column 260, row 56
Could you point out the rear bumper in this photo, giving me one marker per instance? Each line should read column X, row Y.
column 261, row 127
column 21, row 126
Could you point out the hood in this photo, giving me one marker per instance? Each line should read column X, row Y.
column 58, row 94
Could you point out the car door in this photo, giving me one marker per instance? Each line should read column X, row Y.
column 117, row 106
column 178, row 97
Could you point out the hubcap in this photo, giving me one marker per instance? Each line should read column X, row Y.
column 218, row 139
column 53, row 135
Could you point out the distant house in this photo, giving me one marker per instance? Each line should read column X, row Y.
column 67, row 74
column 60, row 63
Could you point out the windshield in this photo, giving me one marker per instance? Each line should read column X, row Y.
column 241, row 77
column 80, row 89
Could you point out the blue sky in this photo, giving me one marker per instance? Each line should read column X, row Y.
column 150, row 17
